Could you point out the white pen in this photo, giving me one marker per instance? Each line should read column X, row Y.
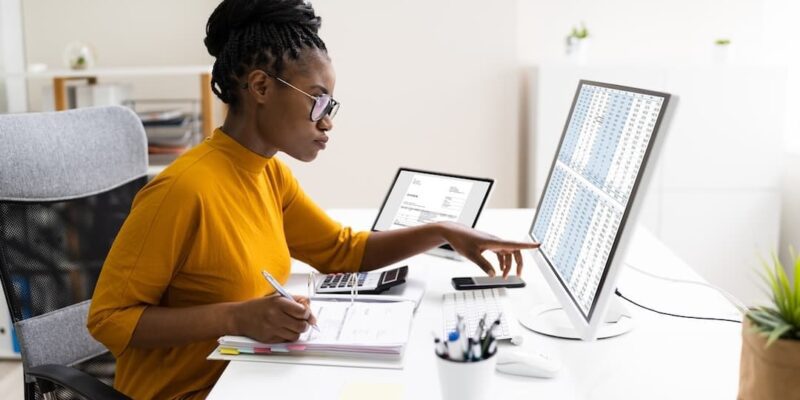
column 272, row 281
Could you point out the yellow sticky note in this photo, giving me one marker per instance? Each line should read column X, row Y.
column 371, row 391
column 229, row 351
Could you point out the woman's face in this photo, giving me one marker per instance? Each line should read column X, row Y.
column 283, row 114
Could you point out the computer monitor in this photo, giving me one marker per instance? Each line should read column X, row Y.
column 588, row 199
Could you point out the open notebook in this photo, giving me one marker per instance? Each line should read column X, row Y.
column 375, row 332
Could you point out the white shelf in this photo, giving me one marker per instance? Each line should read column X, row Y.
column 114, row 71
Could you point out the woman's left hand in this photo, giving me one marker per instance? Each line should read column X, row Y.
column 472, row 243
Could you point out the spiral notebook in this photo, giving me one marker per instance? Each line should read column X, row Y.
column 360, row 333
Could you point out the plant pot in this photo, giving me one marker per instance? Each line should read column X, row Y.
column 578, row 50
column 768, row 372
column 722, row 54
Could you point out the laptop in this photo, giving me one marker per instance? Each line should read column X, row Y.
column 418, row 197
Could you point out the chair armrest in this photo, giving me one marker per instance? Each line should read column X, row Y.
column 74, row 380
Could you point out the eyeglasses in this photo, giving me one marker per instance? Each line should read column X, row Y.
column 323, row 104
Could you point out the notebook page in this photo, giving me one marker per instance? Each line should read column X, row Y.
column 360, row 323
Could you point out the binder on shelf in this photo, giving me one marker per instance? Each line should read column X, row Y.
column 170, row 126
column 179, row 135
column 161, row 117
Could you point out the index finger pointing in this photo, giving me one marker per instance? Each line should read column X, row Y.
column 509, row 245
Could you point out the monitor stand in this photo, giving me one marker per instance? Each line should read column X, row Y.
column 551, row 320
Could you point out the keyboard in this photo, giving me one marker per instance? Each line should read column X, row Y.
column 472, row 305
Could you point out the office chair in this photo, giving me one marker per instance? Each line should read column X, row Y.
column 67, row 181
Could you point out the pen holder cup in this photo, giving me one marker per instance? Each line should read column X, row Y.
column 466, row 380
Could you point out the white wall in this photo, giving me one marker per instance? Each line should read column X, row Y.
column 643, row 31
column 12, row 91
column 122, row 33
column 427, row 84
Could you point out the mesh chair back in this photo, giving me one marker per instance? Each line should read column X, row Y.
column 67, row 181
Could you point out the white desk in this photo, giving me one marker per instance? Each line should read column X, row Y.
column 662, row 358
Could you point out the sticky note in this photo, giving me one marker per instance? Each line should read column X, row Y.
column 370, row 391
column 229, row 351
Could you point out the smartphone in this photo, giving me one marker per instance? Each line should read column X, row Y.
column 487, row 282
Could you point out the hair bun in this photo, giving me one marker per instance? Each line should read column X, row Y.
column 232, row 15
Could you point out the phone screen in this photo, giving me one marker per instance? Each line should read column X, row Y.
column 487, row 282
column 496, row 280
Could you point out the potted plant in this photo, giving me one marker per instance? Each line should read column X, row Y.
column 770, row 363
column 577, row 43
column 721, row 52
column 78, row 55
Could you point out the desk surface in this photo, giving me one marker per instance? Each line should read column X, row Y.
column 662, row 358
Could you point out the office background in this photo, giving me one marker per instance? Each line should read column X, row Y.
column 445, row 85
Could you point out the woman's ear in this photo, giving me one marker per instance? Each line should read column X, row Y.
column 258, row 85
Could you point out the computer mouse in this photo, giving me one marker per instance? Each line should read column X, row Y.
column 527, row 364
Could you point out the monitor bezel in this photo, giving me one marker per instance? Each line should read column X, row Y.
column 490, row 181
column 587, row 318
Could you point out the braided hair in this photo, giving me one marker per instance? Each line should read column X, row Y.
column 242, row 34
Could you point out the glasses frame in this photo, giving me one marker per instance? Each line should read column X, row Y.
column 331, row 109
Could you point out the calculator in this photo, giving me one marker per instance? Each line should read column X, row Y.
column 368, row 282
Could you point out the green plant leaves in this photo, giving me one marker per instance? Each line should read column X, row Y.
column 579, row 33
column 782, row 318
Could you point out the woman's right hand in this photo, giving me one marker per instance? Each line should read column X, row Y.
column 272, row 319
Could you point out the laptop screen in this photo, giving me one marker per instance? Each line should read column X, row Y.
column 419, row 197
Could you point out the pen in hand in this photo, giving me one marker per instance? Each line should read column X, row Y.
column 272, row 281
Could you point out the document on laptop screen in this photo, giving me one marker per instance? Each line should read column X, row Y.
column 431, row 198
column 421, row 197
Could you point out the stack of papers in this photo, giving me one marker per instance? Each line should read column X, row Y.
column 345, row 328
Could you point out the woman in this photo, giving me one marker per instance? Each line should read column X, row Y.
column 185, row 267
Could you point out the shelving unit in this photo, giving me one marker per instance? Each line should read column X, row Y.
column 168, row 140
column 62, row 77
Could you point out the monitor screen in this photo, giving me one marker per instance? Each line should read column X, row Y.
column 420, row 197
column 592, row 182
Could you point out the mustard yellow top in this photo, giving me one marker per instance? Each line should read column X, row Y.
column 200, row 233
